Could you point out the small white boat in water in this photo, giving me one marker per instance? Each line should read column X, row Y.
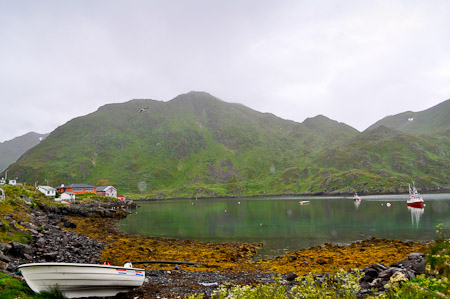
column 82, row 280
column 356, row 197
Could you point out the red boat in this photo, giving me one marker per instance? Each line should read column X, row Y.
column 415, row 200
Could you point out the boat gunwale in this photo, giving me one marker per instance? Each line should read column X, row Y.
column 77, row 265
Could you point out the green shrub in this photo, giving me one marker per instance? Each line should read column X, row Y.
column 420, row 287
column 13, row 288
column 338, row 285
column 52, row 294
column 438, row 258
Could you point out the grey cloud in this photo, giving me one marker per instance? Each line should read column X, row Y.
column 352, row 61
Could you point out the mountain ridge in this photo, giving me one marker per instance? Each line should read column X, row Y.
column 199, row 145
column 432, row 120
column 11, row 150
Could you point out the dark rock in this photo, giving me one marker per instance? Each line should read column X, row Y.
column 27, row 257
column 409, row 274
column 33, row 232
column 11, row 268
column 70, row 224
column 386, row 274
column 50, row 257
column 64, row 240
column 378, row 267
column 369, row 275
column 4, row 258
column 40, row 242
column 292, row 258
column 4, row 247
column 19, row 249
column 291, row 276
column 415, row 255
column 415, row 262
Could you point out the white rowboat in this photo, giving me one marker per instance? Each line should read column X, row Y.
column 82, row 280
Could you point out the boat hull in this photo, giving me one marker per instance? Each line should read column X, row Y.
column 82, row 280
column 415, row 204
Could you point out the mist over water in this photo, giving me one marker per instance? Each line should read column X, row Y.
column 284, row 224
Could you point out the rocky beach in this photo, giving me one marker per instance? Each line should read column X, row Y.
column 88, row 234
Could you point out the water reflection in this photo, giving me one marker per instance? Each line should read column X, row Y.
column 416, row 214
column 357, row 203
column 285, row 224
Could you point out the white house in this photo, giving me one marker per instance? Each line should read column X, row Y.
column 68, row 196
column 107, row 191
column 12, row 182
column 47, row 190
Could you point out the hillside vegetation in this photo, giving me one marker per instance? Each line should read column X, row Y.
column 198, row 145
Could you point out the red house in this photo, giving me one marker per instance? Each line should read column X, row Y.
column 77, row 188
column 107, row 191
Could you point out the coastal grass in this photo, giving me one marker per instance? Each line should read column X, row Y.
column 14, row 288
column 17, row 289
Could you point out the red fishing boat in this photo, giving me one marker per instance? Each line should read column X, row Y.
column 415, row 200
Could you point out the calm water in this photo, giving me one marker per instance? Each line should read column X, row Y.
column 283, row 224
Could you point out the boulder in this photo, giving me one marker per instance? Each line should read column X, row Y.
column 19, row 249
column 291, row 276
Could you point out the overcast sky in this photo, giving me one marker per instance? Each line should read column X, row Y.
column 352, row 61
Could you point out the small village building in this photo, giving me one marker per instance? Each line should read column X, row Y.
column 121, row 197
column 68, row 196
column 47, row 190
column 77, row 188
column 107, row 191
column 12, row 182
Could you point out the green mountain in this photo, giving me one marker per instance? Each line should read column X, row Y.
column 386, row 159
column 198, row 145
column 11, row 150
column 433, row 120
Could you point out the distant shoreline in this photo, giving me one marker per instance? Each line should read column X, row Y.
column 315, row 194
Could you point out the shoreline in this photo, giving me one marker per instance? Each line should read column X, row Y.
column 229, row 262
column 238, row 256
column 315, row 194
